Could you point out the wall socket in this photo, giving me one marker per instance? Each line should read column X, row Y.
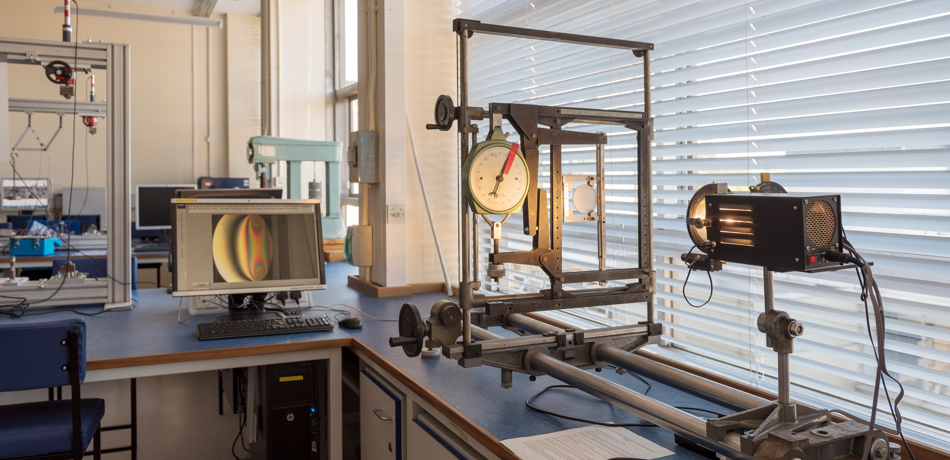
column 396, row 214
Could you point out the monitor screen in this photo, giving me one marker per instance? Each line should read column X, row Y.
column 153, row 205
column 22, row 193
column 232, row 193
column 244, row 246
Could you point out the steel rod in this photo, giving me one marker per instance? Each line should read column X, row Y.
column 645, row 183
column 534, row 34
column 707, row 389
column 463, row 206
column 769, row 293
column 511, row 297
column 533, row 325
column 784, row 380
column 484, row 334
column 474, row 220
column 675, row 420
column 601, row 212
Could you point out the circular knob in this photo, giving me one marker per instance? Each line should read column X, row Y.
column 59, row 72
column 412, row 331
column 444, row 114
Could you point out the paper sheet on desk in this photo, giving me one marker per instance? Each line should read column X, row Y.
column 588, row 443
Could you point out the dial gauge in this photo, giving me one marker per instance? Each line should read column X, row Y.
column 496, row 177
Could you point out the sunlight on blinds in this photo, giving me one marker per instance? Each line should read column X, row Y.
column 835, row 97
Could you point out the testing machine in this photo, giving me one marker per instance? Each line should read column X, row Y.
column 500, row 178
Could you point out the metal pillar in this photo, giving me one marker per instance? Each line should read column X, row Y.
column 119, row 172
column 466, row 286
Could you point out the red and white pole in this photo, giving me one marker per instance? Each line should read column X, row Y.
column 67, row 26
column 90, row 121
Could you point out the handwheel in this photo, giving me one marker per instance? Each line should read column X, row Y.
column 412, row 331
column 444, row 114
column 59, row 72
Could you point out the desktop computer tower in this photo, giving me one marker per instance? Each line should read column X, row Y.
column 292, row 413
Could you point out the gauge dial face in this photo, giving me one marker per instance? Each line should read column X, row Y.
column 497, row 192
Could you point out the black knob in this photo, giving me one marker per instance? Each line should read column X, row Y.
column 445, row 114
column 59, row 72
column 401, row 341
column 412, row 331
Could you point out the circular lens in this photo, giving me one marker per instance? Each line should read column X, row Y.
column 697, row 210
column 584, row 198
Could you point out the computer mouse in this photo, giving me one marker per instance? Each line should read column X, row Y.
column 351, row 323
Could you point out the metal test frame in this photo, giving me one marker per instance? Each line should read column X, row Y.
column 760, row 429
column 115, row 292
column 543, row 218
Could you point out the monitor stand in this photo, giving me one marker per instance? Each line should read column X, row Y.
column 248, row 312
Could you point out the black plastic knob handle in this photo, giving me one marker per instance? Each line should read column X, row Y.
column 400, row 341
column 412, row 331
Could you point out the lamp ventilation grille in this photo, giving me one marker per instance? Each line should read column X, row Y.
column 820, row 223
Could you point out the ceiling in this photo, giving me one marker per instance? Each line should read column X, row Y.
column 188, row 6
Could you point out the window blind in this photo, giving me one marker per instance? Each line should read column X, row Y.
column 837, row 97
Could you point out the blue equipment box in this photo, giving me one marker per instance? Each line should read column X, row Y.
column 33, row 246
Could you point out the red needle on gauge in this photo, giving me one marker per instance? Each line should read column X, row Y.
column 508, row 163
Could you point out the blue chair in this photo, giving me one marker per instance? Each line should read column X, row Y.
column 96, row 267
column 45, row 355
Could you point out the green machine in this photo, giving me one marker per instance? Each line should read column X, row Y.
column 264, row 151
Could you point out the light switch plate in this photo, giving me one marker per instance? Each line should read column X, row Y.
column 396, row 214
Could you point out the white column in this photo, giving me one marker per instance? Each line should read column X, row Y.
column 4, row 109
column 118, row 239
column 392, row 95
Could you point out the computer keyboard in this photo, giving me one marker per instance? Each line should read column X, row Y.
column 269, row 326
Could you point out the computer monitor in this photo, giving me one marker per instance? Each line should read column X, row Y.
column 24, row 194
column 206, row 182
column 153, row 205
column 246, row 246
column 260, row 193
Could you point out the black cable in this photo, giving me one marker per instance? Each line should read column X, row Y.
column 72, row 167
column 23, row 305
column 689, row 270
column 242, row 417
column 869, row 289
column 530, row 400
column 648, row 384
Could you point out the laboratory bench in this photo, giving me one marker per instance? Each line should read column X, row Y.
column 415, row 408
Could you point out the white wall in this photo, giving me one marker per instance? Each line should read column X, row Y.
column 431, row 71
column 243, row 90
column 301, row 88
column 165, row 149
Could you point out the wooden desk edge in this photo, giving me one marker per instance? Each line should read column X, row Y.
column 186, row 356
column 478, row 433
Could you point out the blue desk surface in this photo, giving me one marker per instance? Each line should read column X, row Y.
column 152, row 328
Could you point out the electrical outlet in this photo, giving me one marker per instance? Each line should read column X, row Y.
column 396, row 214
column 280, row 181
